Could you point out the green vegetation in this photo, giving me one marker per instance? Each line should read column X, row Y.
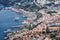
column 51, row 12
column 39, row 15
column 53, row 36
column 32, row 7
column 47, row 30
column 30, row 28
column 51, row 0
column 33, row 26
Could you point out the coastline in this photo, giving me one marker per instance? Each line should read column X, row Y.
column 6, row 21
column 37, row 29
column 23, row 12
column 37, row 24
column 18, row 10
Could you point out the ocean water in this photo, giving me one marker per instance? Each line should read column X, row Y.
column 7, row 20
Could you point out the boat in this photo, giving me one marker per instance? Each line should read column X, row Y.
column 9, row 30
column 24, row 16
column 5, row 38
column 19, row 26
column 16, row 19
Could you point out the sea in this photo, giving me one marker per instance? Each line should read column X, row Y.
column 7, row 20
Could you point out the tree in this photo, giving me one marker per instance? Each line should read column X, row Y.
column 51, row 0
column 47, row 30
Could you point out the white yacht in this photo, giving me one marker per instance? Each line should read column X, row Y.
column 16, row 19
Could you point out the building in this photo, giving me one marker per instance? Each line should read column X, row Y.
column 54, row 28
column 57, row 1
column 41, row 2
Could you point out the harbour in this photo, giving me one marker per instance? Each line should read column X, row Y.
column 7, row 18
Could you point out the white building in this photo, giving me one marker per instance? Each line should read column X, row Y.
column 57, row 1
column 41, row 2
